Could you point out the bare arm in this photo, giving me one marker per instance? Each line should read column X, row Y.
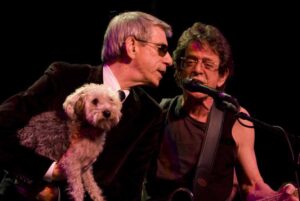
column 251, row 182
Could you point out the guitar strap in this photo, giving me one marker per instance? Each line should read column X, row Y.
column 209, row 149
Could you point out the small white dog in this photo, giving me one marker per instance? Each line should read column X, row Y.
column 91, row 111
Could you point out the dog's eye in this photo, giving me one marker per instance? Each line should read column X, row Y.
column 95, row 101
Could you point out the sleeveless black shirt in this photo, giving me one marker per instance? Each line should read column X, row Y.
column 180, row 149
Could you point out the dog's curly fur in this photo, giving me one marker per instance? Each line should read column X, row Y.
column 76, row 136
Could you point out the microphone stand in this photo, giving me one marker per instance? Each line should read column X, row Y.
column 241, row 115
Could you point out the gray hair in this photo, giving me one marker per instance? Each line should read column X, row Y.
column 134, row 23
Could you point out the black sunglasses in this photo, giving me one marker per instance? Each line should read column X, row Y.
column 161, row 48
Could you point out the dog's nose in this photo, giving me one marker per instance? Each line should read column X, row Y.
column 106, row 113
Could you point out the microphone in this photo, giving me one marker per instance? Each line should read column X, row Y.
column 220, row 96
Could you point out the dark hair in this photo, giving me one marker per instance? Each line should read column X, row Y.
column 206, row 35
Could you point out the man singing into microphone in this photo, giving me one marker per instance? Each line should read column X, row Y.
column 203, row 56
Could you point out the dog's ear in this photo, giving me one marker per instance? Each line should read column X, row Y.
column 70, row 102
column 79, row 106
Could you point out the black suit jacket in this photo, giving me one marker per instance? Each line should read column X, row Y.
column 120, row 168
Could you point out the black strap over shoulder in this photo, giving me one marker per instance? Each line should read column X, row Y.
column 210, row 145
column 208, row 153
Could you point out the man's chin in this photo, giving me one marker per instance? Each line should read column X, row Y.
column 154, row 83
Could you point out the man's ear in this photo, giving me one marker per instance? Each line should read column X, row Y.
column 130, row 46
column 222, row 79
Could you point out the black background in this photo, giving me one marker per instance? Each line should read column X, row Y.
column 264, row 39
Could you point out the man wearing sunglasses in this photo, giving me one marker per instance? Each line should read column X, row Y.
column 134, row 53
column 161, row 48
